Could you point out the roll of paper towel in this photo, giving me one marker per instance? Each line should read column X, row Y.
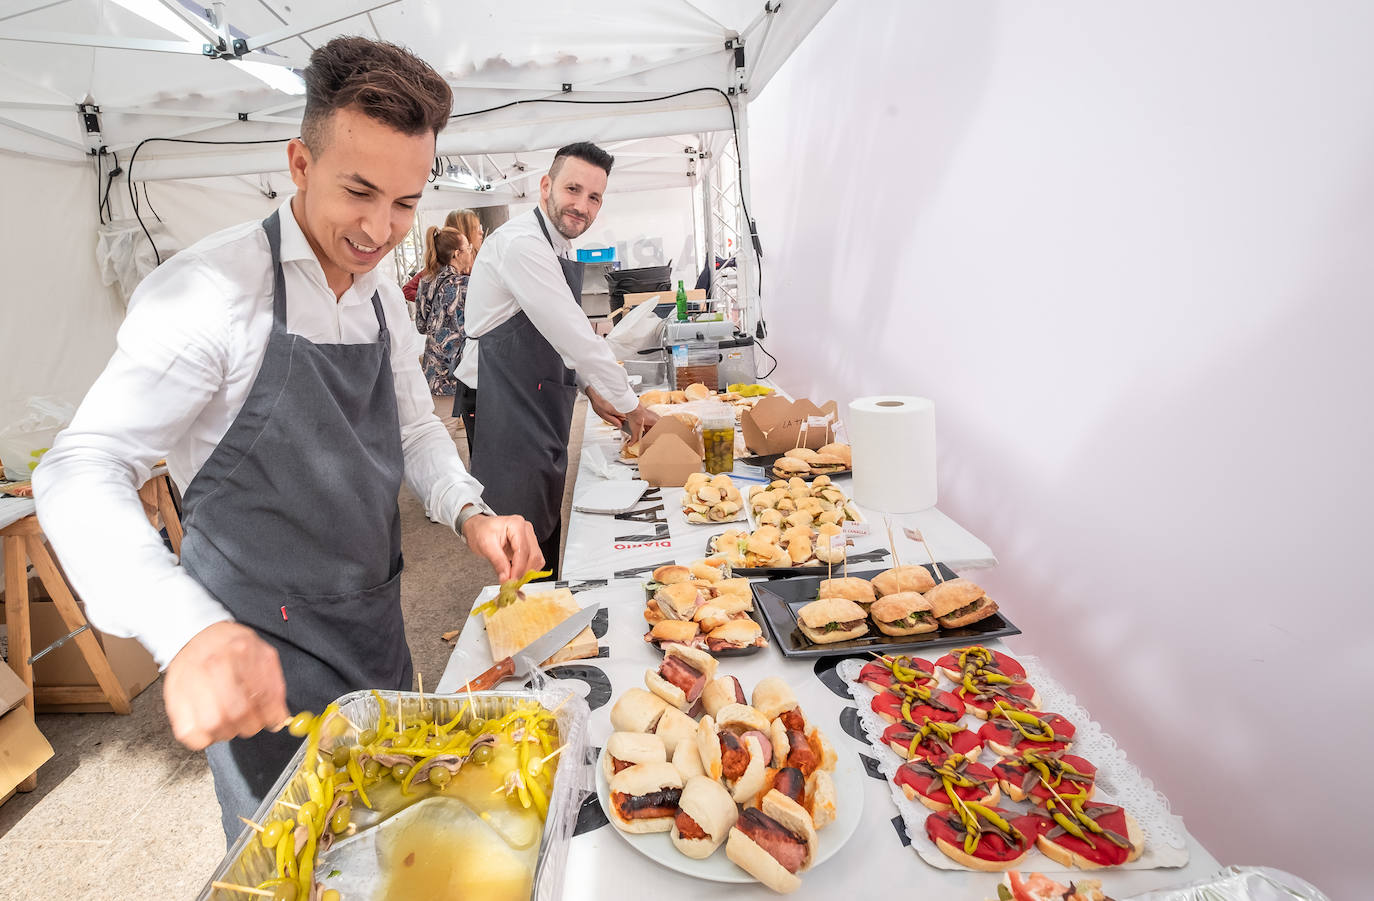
column 893, row 441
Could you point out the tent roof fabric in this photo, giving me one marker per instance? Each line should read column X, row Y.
column 143, row 63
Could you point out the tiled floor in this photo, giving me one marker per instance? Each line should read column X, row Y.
column 123, row 812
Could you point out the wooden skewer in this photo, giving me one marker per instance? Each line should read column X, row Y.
column 290, row 805
column 566, row 698
column 250, row 823
column 892, row 545
column 245, row 889
column 935, row 567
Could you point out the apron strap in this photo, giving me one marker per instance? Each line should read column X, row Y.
column 272, row 225
column 383, row 334
column 538, row 215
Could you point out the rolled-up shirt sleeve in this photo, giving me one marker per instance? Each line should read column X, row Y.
column 169, row 361
column 533, row 275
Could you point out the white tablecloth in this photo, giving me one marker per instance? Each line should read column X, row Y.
column 875, row 863
column 654, row 533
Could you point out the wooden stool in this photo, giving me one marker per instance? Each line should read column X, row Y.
column 158, row 503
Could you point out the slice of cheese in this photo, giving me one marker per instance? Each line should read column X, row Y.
column 511, row 628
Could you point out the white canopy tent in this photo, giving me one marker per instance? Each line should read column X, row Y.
column 660, row 81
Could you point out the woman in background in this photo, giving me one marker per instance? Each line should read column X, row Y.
column 439, row 304
column 465, row 221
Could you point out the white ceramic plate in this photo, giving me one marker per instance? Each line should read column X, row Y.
column 615, row 496
column 658, row 847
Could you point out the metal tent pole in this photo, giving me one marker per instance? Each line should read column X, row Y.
column 707, row 173
column 745, row 261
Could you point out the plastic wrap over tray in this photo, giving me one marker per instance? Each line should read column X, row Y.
column 248, row 863
column 1240, row 884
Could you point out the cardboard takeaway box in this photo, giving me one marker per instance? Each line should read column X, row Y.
column 669, row 453
column 774, row 425
column 23, row 749
column 63, row 667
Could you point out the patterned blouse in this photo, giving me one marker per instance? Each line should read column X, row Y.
column 439, row 307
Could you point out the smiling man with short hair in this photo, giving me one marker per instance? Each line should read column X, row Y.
column 530, row 346
column 278, row 373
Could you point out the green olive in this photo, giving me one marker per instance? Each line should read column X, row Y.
column 372, row 770
column 330, row 894
column 434, row 741
column 324, row 769
column 477, row 726
column 301, row 723
column 547, row 725
column 368, row 737
column 334, row 727
column 339, row 821
column 400, row 771
column 285, row 891
column 306, row 815
column 482, row 754
column 273, row 833
column 439, row 776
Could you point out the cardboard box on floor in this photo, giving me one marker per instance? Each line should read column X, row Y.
column 65, row 666
column 669, row 453
column 774, row 425
column 23, row 749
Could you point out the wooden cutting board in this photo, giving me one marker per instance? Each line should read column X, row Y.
column 511, row 628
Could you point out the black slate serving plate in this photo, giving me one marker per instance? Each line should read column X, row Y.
column 767, row 460
column 754, row 614
column 779, row 599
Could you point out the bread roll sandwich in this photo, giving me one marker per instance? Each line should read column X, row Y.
column 686, row 758
column 679, row 600
column 773, row 842
column 704, row 817
column 673, row 727
column 671, row 574
column 903, row 578
column 820, row 799
column 804, row 454
column 903, row 613
column 668, row 631
column 637, row 711
column 790, row 466
column 959, row 602
column 697, row 391
column 831, row 620
column 737, row 633
column 644, row 797
column 709, row 570
column 851, row 588
column 722, row 691
column 828, row 463
column 736, row 749
column 773, row 697
column 682, row 676
column 839, row 450
column 807, row 750
column 627, row 749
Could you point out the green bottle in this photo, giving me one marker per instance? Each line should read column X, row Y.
column 681, row 302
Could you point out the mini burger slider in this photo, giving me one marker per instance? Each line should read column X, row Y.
column 851, row 588
column 903, row 613
column 644, row 797
column 704, row 817
column 903, row 578
column 626, row 749
column 959, row 602
column 682, row 676
column 832, row 619
column 773, row 842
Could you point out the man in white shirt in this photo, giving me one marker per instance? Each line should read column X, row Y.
column 277, row 372
column 530, row 346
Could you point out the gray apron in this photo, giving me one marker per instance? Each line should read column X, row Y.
column 292, row 525
column 525, row 398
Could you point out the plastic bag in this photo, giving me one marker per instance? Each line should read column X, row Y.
column 1240, row 884
column 126, row 257
column 637, row 330
column 25, row 438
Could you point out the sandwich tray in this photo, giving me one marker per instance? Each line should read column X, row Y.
column 779, row 600
column 877, row 555
column 766, row 461
column 658, row 847
column 754, row 614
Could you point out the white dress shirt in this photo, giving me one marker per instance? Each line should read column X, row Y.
column 517, row 270
column 187, row 354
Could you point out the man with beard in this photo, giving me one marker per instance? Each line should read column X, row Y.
column 530, row 346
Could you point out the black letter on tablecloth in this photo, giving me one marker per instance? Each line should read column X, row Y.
column 590, row 816
column 825, row 671
column 871, row 766
column 896, row 824
column 583, row 585
column 849, row 722
column 598, row 685
column 660, row 533
column 600, row 623
column 649, row 514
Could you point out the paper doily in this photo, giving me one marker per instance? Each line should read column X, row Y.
column 1118, row 780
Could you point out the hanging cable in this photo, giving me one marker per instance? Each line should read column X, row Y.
column 149, row 201
column 109, row 181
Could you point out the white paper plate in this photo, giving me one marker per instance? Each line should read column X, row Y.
column 615, row 496
column 658, row 847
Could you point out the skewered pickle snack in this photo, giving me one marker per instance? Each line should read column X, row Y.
column 510, row 592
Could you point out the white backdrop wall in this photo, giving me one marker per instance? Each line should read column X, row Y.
column 1127, row 250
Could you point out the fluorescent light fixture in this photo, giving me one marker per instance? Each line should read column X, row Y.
column 276, row 77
